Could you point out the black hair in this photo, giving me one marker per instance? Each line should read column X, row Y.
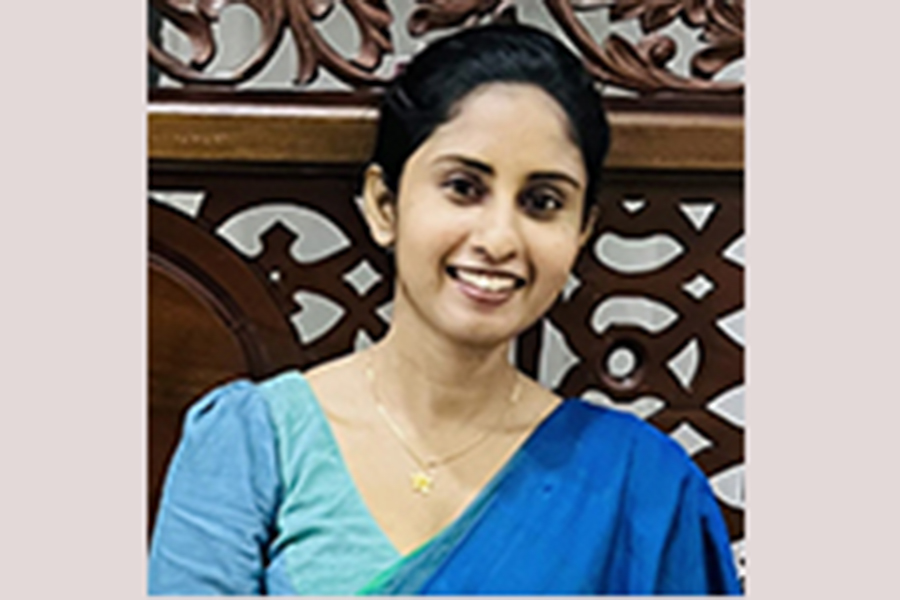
column 431, row 86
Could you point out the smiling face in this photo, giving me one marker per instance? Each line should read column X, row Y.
column 487, row 221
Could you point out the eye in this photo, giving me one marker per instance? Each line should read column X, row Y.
column 542, row 201
column 463, row 187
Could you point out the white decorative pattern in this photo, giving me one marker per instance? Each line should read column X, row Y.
column 633, row 206
column 740, row 558
column 362, row 340
column 317, row 316
column 385, row 311
column 698, row 213
column 317, row 236
column 637, row 255
column 651, row 315
column 685, row 364
column 729, row 405
column 690, row 439
column 643, row 407
column 556, row 358
column 362, row 277
column 360, row 203
column 728, row 486
column 186, row 202
column 511, row 353
column 699, row 286
column 733, row 326
column 621, row 363
column 572, row 284
column 735, row 252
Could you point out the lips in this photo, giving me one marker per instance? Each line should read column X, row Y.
column 490, row 282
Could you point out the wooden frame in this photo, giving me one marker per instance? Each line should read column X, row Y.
column 316, row 129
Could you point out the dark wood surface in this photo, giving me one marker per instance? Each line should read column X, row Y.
column 313, row 132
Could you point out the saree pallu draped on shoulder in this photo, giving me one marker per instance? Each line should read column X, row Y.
column 596, row 502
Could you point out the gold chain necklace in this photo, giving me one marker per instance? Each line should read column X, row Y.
column 422, row 480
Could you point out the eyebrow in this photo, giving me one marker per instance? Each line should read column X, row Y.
column 469, row 162
column 485, row 168
column 556, row 176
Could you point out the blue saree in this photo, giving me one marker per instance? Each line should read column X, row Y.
column 258, row 501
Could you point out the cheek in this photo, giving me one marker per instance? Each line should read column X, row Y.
column 558, row 274
column 551, row 283
column 426, row 240
column 555, row 259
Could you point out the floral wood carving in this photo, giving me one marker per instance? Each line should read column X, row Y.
column 196, row 17
column 441, row 14
column 642, row 66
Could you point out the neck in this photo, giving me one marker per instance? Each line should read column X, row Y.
column 432, row 381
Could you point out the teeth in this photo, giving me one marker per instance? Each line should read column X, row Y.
column 488, row 283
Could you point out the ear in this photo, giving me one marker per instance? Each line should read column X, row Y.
column 590, row 223
column 379, row 207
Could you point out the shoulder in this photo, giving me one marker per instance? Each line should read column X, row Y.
column 616, row 454
column 246, row 404
column 597, row 420
column 228, row 404
column 605, row 432
column 243, row 395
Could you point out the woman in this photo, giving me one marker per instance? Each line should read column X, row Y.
column 427, row 463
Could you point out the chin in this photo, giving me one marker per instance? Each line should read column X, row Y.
column 455, row 319
column 482, row 332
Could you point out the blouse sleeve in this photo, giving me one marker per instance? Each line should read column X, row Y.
column 697, row 557
column 219, row 499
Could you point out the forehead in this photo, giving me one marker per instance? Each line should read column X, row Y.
column 509, row 124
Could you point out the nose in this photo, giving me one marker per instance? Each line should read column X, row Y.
column 496, row 237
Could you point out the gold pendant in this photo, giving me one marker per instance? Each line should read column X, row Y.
column 421, row 482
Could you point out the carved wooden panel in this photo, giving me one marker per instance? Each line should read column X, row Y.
column 654, row 324
column 651, row 321
column 642, row 61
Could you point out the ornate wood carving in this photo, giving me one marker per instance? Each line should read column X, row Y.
column 702, row 286
column 442, row 14
column 196, row 17
column 641, row 66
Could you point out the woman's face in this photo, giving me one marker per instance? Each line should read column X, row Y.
column 487, row 220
